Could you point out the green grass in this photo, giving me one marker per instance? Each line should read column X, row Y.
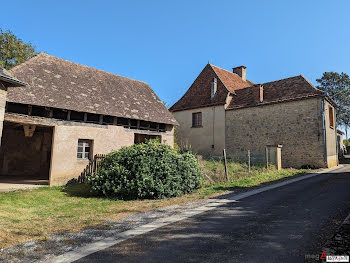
column 37, row 213
column 238, row 176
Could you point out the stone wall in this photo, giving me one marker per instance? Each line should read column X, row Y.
column 297, row 125
column 331, row 136
column 64, row 163
column 105, row 139
column 208, row 140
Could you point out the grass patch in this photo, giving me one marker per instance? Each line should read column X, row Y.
column 37, row 213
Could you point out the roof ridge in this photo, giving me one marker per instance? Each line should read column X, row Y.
column 66, row 60
column 283, row 79
column 25, row 62
column 90, row 90
column 219, row 78
column 225, row 70
column 312, row 85
column 300, row 76
column 193, row 83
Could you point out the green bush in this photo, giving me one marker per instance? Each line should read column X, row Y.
column 149, row 170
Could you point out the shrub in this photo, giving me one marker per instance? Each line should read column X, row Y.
column 148, row 170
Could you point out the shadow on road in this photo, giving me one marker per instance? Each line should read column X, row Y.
column 283, row 225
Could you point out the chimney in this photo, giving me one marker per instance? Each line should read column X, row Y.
column 241, row 71
column 261, row 88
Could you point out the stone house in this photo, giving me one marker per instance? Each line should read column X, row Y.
column 224, row 110
column 67, row 113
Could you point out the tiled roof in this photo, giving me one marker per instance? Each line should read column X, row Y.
column 58, row 83
column 9, row 80
column 243, row 93
column 199, row 94
column 231, row 80
column 297, row 87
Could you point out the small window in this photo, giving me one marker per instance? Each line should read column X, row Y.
column 197, row 119
column 108, row 119
column 162, row 127
column 84, row 149
column 122, row 122
column 331, row 117
column 214, row 87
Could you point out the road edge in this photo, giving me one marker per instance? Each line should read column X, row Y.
column 211, row 204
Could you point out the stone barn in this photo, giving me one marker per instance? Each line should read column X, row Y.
column 67, row 113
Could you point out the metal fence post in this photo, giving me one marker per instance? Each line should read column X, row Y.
column 249, row 161
column 225, row 163
column 267, row 156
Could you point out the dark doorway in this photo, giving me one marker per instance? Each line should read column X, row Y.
column 25, row 159
column 140, row 138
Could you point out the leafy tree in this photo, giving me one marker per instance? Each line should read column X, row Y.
column 337, row 86
column 13, row 50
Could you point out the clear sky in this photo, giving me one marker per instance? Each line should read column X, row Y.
column 167, row 43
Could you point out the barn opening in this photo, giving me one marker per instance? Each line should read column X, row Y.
column 25, row 153
column 140, row 138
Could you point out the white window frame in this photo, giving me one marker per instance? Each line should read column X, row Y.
column 83, row 145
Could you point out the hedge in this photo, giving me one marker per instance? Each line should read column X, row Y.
column 149, row 170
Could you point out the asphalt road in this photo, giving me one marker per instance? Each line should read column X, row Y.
column 280, row 225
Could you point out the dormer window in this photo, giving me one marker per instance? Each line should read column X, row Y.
column 214, row 87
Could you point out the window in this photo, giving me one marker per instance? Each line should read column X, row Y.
column 214, row 87
column 197, row 119
column 84, row 149
column 141, row 138
column 331, row 117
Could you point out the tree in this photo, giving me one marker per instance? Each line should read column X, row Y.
column 13, row 50
column 337, row 87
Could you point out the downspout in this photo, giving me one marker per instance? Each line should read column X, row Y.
column 324, row 132
column 336, row 134
column 213, row 143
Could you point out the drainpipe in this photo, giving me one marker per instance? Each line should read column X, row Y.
column 213, row 142
column 324, row 132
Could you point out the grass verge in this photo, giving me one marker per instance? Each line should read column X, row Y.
column 37, row 213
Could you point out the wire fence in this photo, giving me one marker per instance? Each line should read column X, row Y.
column 270, row 157
column 254, row 158
column 238, row 165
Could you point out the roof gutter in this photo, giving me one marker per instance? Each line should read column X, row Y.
column 330, row 100
column 12, row 81
column 275, row 102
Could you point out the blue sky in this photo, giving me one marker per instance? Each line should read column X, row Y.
column 167, row 43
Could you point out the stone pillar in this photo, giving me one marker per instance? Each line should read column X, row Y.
column 274, row 156
column 2, row 108
column 279, row 157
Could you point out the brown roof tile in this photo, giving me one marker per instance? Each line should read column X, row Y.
column 58, row 83
column 297, row 87
column 199, row 94
column 231, row 80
